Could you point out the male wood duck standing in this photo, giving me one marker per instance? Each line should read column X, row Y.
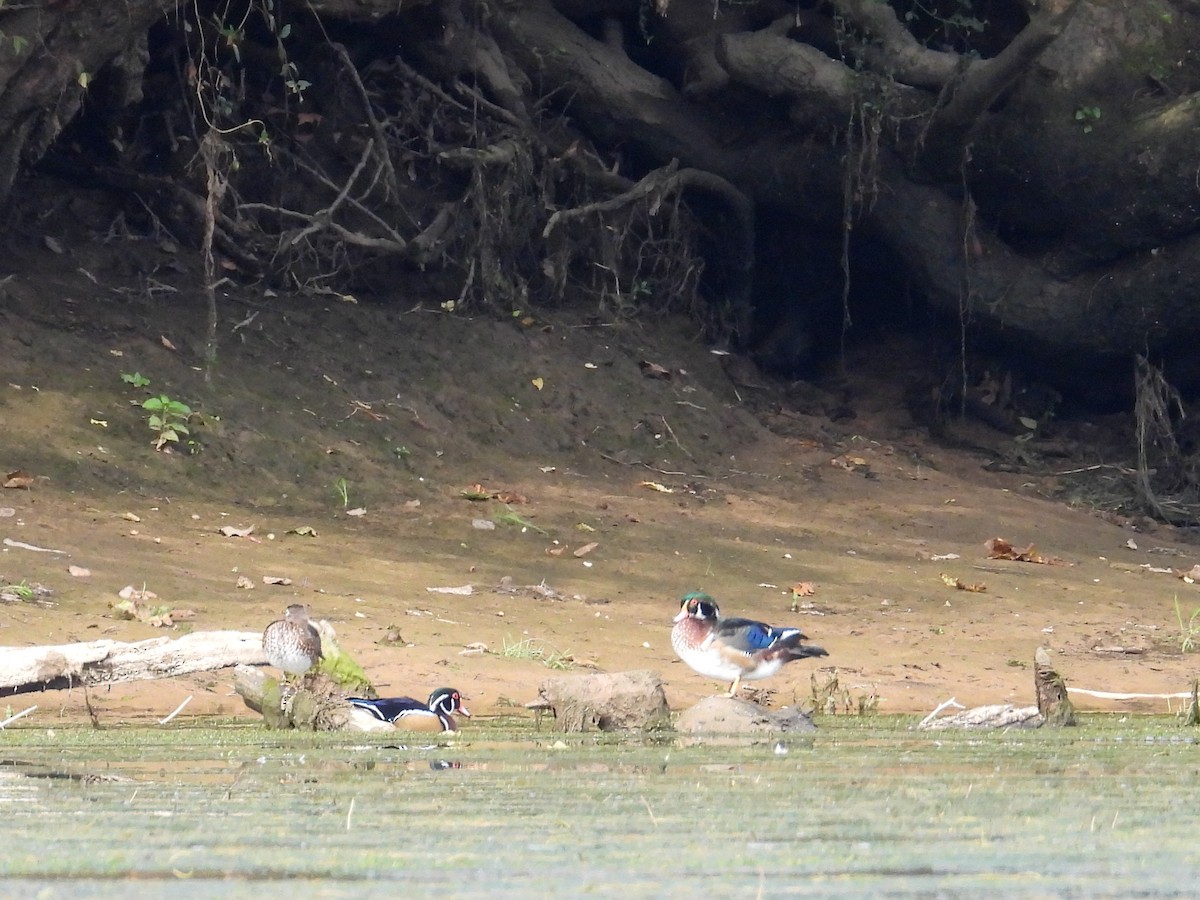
column 417, row 715
column 733, row 649
column 292, row 643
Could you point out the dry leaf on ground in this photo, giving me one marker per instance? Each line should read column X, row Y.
column 1191, row 576
column 655, row 486
column 851, row 463
column 476, row 492
column 959, row 584
column 18, row 479
column 999, row 548
column 654, row 370
column 139, row 604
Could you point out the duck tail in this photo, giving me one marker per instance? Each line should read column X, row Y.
column 804, row 651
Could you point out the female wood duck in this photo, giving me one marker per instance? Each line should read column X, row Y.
column 292, row 643
column 733, row 649
column 415, row 715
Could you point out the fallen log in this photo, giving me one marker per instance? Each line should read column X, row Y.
column 24, row 669
column 314, row 703
column 998, row 715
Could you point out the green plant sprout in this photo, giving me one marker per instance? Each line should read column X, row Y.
column 1089, row 115
column 135, row 379
column 17, row 592
column 535, row 650
column 168, row 419
column 1189, row 630
column 342, row 487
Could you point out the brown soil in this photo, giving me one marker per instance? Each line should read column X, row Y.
column 410, row 405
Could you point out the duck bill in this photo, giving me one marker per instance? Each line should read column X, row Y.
column 463, row 711
column 683, row 614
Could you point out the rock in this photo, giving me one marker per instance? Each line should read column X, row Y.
column 621, row 701
column 731, row 716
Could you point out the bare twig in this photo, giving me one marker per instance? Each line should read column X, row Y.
column 177, row 711
column 1117, row 695
column 87, row 701
column 324, row 179
column 212, row 149
column 951, row 703
column 380, row 140
column 324, row 218
column 1124, row 470
column 656, row 183
column 416, row 418
column 655, row 469
column 22, row 714
column 671, row 432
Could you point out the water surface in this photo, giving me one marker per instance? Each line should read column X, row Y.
column 866, row 808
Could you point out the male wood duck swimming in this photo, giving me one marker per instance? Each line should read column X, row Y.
column 416, row 715
column 733, row 649
column 292, row 643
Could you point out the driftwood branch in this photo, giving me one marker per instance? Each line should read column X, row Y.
column 951, row 126
column 897, row 52
column 999, row 715
column 818, row 88
column 24, row 669
column 313, row 705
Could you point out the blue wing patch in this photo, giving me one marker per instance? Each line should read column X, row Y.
column 750, row 636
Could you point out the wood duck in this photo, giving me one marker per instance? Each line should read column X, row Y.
column 733, row 649
column 416, row 715
column 292, row 643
